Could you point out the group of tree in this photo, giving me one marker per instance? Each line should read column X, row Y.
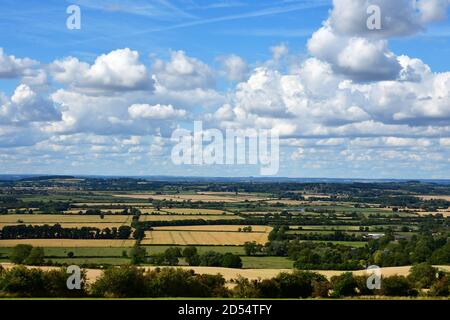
column 171, row 257
column 32, row 282
column 58, row 232
column 384, row 252
column 305, row 284
column 133, row 282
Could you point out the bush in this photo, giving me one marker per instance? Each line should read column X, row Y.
column 344, row 285
column 441, row 288
column 230, row 260
column 245, row 288
column 23, row 282
column 137, row 255
column 56, row 284
column 20, row 252
column 296, row 285
column 423, row 275
column 211, row 259
column 397, row 286
column 123, row 282
column 36, row 257
column 268, row 288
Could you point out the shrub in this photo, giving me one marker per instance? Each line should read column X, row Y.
column 344, row 285
column 230, row 260
column 397, row 286
column 123, row 282
column 20, row 252
column 423, row 275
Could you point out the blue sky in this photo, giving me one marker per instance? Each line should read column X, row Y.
column 349, row 103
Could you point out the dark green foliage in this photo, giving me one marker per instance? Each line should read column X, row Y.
column 423, row 275
column 230, row 260
column 20, row 252
column 137, row 255
column 397, row 286
column 441, row 287
column 344, row 285
column 133, row 282
column 126, row 281
column 36, row 257
column 58, row 232
column 23, row 282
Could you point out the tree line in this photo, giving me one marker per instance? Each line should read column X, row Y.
column 133, row 282
column 58, row 232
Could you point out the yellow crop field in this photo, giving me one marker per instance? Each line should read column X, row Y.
column 433, row 197
column 96, row 243
column 161, row 217
column 62, row 218
column 218, row 228
column 195, row 211
column 203, row 237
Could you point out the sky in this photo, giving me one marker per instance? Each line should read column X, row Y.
column 347, row 101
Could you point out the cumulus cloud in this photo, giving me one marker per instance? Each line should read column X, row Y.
column 183, row 72
column 118, row 71
column 156, row 112
column 352, row 103
column 12, row 67
column 398, row 18
column 359, row 59
column 25, row 105
column 362, row 53
column 234, row 68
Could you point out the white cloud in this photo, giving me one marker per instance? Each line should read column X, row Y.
column 12, row 67
column 183, row 73
column 26, row 106
column 359, row 59
column 157, row 112
column 398, row 18
column 234, row 68
column 279, row 51
column 117, row 71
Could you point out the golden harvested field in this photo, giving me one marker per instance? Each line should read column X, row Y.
column 444, row 213
column 61, row 218
column 58, row 243
column 167, row 217
column 195, row 211
column 430, row 197
column 219, row 228
column 192, row 197
column 203, row 237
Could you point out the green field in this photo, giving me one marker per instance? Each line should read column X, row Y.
column 266, row 263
